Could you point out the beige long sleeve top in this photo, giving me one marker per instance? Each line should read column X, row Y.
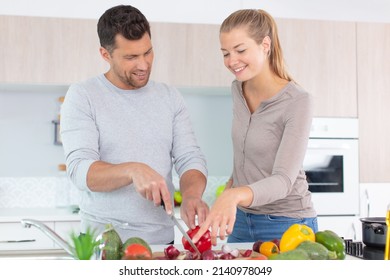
column 269, row 148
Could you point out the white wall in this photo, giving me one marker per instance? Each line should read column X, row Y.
column 206, row 11
column 27, row 132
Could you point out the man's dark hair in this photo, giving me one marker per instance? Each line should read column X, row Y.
column 124, row 20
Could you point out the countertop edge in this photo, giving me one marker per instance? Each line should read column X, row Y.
column 54, row 214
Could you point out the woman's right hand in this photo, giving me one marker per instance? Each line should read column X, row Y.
column 222, row 215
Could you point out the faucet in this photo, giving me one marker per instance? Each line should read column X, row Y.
column 51, row 234
column 98, row 255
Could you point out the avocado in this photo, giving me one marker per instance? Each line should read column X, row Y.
column 296, row 254
column 317, row 251
column 112, row 248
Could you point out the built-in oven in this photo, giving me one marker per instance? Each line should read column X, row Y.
column 332, row 166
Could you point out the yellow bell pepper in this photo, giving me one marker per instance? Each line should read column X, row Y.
column 294, row 235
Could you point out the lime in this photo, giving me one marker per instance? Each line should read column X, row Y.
column 219, row 190
column 177, row 198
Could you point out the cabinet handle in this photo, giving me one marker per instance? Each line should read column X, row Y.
column 368, row 203
column 17, row 241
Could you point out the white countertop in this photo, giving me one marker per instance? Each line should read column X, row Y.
column 9, row 215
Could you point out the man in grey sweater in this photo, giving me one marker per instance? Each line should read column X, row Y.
column 122, row 135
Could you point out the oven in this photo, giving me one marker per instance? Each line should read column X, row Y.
column 332, row 166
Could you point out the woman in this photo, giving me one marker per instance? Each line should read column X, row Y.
column 272, row 116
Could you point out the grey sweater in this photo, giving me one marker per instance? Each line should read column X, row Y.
column 269, row 148
column 151, row 125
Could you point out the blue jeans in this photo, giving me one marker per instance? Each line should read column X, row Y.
column 251, row 227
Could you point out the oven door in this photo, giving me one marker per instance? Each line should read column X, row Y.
column 332, row 170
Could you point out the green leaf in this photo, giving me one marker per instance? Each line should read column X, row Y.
column 85, row 244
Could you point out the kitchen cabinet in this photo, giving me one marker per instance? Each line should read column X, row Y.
column 60, row 220
column 13, row 236
column 189, row 55
column 65, row 229
column 374, row 198
column 348, row 227
column 373, row 45
column 38, row 50
column 321, row 57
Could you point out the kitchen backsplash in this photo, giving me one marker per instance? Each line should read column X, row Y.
column 29, row 192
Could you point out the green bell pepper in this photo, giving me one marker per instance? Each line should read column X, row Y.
column 332, row 242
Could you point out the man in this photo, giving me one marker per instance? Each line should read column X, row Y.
column 122, row 135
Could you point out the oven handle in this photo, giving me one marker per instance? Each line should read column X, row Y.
column 316, row 147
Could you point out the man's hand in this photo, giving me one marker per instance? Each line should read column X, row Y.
column 192, row 207
column 151, row 186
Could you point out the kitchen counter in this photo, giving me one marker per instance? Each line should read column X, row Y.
column 241, row 246
column 43, row 214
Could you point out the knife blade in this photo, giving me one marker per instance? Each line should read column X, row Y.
column 176, row 222
column 181, row 229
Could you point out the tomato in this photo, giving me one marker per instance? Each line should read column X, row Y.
column 203, row 244
column 137, row 251
column 268, row 248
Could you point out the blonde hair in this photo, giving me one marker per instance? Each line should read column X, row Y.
column 259, row 24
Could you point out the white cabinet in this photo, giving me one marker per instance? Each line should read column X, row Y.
column 348, row 227
column 374, row 199
column 65, row 230
column 13, row 236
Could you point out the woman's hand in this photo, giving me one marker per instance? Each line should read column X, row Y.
column 222, row 215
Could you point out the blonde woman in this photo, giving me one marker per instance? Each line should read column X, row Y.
column 272, row 116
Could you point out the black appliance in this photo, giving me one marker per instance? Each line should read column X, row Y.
column 359, row 250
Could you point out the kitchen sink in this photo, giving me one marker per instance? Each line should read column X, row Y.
column 52, row 254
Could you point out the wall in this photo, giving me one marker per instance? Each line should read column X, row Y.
column 211, row 114
column 26, row 114
column 196, row 11
column 27, row 134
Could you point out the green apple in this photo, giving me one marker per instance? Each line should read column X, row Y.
column 177, row 198
column 219, row 190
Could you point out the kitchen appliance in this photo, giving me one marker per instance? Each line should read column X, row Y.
column 374, row 230
column 360, row 250
column 332, row 166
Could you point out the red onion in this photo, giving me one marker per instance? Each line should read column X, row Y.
column 226, row 249
column 247, row 253
column 235, row 253
column 227, row 256
column 209, row 255
column 185, row 255
column 171, row 252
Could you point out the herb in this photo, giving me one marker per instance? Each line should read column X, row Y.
column 85, row 244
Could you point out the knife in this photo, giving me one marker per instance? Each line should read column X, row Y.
column 176, row 222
